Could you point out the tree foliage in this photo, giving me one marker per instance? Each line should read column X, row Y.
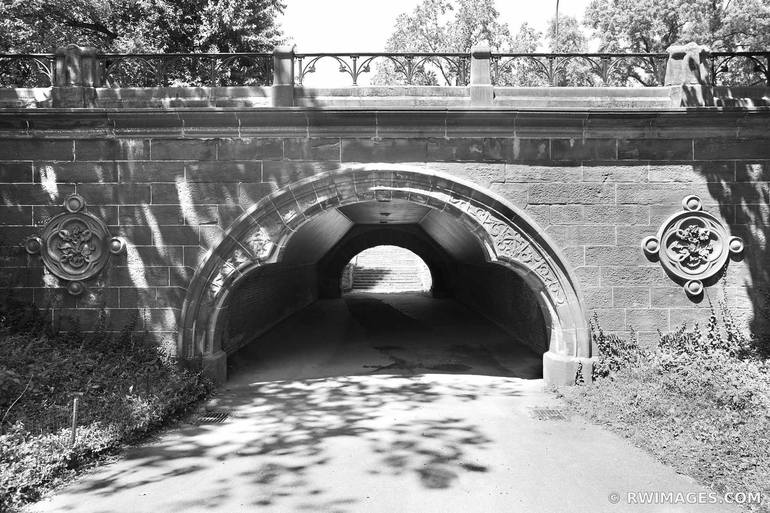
column 458, row 25
column 140, row 25
column 443, row 26
column 571, row 39
column 654, row 25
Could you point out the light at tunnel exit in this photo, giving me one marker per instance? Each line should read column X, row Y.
column 386, row 269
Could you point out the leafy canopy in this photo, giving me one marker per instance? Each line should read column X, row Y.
column 654, row 25
column 141, row 25
column 454, row 26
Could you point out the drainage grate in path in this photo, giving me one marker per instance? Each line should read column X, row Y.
column 212, row 417
column 547, row 413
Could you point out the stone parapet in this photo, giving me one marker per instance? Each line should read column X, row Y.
column 392, row 97
column 77, row 83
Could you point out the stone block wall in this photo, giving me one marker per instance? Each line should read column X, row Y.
column 172, row 182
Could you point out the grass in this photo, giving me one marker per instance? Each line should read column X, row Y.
column 699, row 401
column 129, row 390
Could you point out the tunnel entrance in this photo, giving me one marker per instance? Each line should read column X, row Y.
column 385, row 269
column 488, row 263
column 366, row 333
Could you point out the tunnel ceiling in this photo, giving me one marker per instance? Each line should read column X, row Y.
column 451, row 235
column 316, row 237
column 385, row 212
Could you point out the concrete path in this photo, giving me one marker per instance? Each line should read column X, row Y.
column 381, row 404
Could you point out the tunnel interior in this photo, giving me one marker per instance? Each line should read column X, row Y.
column 301, row 296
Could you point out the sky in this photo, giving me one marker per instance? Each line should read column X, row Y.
column 364, row 25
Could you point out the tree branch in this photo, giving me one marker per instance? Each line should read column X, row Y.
column 95, row 26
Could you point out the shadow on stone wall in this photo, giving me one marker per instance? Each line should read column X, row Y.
column 745, row 206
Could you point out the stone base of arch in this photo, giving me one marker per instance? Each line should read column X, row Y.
column 561, row 370
column 214, row 367
column 558, row 370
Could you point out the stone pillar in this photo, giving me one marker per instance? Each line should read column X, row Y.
column 688, row 75
column 560, row 370
column 687, row 65
column 283, row 76
column 76, row 75
column 482, row 92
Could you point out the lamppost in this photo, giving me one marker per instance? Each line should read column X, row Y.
column 556, row 36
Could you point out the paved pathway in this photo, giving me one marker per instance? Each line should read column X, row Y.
column 341, row 410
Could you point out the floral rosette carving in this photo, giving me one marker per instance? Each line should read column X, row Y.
column 692, row 246
column 75, row 245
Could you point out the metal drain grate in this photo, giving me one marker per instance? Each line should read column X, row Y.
column 212, row 417
column 547, row 414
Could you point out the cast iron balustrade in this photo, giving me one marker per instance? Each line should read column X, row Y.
column 391, row 68
column 740, row 68
column 186, row 69
column 578, row 69
column 26, row 69
column 419, row 68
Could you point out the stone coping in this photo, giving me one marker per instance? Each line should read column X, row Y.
column 394, row 97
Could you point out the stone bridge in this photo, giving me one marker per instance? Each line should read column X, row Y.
column 207, row 215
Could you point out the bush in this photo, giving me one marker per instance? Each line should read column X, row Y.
column 723, row 336
column 613, row 352
column 129, row 389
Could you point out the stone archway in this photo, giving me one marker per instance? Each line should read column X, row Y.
column 506, row 234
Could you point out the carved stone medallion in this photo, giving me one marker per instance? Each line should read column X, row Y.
column 692, row 246
column 75, row 245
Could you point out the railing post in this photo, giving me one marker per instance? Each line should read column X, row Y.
column 76, row 75
column 687, row 65
column 482, row 92
column 283, row 76
column 688, row 75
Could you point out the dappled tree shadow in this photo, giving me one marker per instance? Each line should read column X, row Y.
column 745, row 205
column 284, row 435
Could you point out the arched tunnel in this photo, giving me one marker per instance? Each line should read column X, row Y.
column 290, row 317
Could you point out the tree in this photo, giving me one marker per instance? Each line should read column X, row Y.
column 569, row 71
column 529, row 71
column 520, row 72
column 145, row 26
column 141, row 25
column 457, row 26
column 654, row 25
column 442, row 26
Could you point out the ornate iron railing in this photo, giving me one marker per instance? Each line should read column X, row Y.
column 389, row 68
column 419, row 68
column 578, row 69
column 26, row 70
column 186, row 69
column 740, row 68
